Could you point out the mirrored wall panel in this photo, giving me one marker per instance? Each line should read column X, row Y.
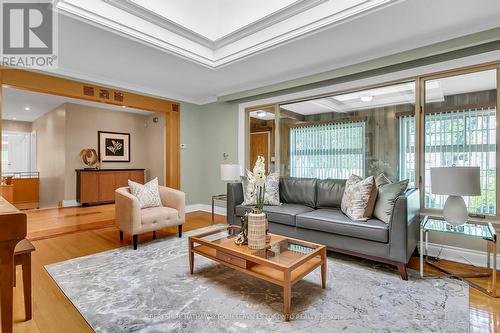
column 261, row 137
column 365, row 132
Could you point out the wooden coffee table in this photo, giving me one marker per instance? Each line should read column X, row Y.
column 284, row 262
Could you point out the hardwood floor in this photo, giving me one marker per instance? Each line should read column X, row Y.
column 50, row 222
column 64, row 234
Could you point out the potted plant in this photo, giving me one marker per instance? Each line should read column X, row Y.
column 257, row 223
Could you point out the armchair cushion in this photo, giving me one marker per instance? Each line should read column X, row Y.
column 159, row 215
column 147, row 194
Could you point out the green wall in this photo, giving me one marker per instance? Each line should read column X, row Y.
column 190, row 157
column 208, row 132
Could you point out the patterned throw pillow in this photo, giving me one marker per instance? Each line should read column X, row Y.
column 359, row 198
column 388, row 192
column 148, row 194
column 272, row 196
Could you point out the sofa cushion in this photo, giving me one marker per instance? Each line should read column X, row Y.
column 335, row 222
column 271, row 196
column 359, row 197
column 301, row 191
column 329, row 193
column 283, row 214
column 155, row 215
column 388, row 193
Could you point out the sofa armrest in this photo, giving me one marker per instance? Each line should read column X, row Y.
column 234, row 198
column 127, row 211
column 174, row 199
column 404, row 226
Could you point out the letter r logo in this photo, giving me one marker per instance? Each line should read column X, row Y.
column 27, row 28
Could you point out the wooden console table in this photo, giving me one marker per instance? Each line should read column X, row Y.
column 95, row 186
column 14, row 228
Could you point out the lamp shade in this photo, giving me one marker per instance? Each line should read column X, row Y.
column 230, row 172
column 456, row 181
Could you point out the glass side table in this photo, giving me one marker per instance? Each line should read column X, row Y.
column 470, row 229
column 217, row 197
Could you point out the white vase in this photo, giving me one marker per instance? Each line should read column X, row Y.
column 257, row 231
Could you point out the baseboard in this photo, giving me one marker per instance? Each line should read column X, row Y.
column 206, row 208
column 70, row 203
column 458, row 254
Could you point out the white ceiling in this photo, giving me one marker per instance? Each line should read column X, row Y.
column 215, row 33
column 396, row 94
column 98, row 53
column 15, row 102
column 213, row 19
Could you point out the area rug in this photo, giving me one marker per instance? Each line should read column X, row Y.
column 151, row 290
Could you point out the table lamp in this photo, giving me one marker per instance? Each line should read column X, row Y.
column 230, row 172
column 455, row 182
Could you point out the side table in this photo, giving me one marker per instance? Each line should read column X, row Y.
column 470, row 229
column 217, row 197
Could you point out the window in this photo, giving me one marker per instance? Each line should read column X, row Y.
column 333, row 150
column 460, row 129
column 463, row 138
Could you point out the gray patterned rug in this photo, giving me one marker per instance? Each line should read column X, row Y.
column 150, row 290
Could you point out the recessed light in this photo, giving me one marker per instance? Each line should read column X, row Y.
column 261, row 114
column 27, row 108
column 366, row 98
column 124, row 106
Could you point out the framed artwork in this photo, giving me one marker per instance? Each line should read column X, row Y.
column 113, row 147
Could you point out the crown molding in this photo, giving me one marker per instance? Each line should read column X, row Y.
column 161, row 21
column 149, row 28
column 133, row 8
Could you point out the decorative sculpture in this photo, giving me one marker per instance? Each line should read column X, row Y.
column 89, row 158
column 242, row 238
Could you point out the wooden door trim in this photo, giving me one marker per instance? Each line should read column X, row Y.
column 49, row 84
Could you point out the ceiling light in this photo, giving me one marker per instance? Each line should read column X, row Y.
column 124, row 106
column 27, row 108
column 366, row 98
column 14, row 118
column 261, row 114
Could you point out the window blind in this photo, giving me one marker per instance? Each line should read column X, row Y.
column 407, row 149
column 461, row 138
column 334, row 150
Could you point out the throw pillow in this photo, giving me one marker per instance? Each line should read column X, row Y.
column 359, row 197
column 272, row 196
column 148, row 194
column 388, row 192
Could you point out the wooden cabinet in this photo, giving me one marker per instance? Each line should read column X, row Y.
column 87, row 187
column 98, row 186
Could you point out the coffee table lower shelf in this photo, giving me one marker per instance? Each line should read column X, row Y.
column 282, row 276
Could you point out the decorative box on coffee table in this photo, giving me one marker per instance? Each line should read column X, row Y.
column 284, row 262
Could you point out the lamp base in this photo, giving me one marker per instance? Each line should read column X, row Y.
column 455, row 211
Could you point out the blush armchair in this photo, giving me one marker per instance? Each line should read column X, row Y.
column 133, row 220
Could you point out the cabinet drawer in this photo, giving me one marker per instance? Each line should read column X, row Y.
column 231, row 259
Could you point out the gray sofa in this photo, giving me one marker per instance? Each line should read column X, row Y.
column 310, row 211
